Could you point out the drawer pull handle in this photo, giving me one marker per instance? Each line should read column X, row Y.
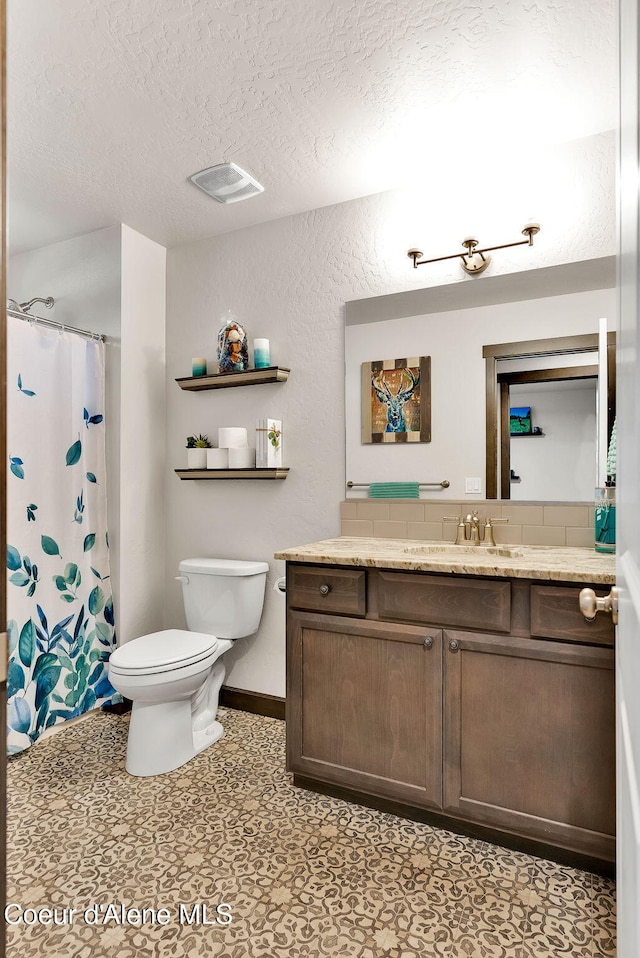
column 325, row 589
column 428, row 642
column 454, row 645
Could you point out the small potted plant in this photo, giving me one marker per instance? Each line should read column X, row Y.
column 197, row 451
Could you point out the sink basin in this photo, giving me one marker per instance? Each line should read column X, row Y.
column 505, row 551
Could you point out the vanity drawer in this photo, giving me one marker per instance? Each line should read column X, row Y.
column 444, row 600
column 555, row 614
column 327, row 590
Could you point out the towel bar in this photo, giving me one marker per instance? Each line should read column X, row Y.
column 445, row 484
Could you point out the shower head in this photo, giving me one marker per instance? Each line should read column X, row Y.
column 48, row 302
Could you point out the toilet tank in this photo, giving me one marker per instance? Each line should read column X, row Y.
column 223, row 597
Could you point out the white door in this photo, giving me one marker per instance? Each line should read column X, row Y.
column 628, row 494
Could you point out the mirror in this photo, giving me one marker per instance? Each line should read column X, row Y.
column 451, row 325
column 545, row 390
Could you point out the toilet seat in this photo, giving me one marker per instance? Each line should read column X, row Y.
column 163, row 651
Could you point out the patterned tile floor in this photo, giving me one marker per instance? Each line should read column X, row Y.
column 304, row 875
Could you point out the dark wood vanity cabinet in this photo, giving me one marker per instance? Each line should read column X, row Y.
column 529, row 743
column 442, row 694
column 364, row 705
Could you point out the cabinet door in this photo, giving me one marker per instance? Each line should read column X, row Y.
column 529, row 738
column 364, row 706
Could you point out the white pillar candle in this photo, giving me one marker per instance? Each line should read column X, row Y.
column 261, row 355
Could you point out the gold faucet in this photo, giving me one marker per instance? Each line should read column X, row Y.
column 469, row 531
column 473, row 522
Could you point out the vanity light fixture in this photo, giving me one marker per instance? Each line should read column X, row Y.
column 474, row 260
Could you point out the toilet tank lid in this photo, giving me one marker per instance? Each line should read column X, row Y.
column 223, row 566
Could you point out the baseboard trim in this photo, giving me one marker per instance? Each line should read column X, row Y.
column 118, row 708
column 257, row 702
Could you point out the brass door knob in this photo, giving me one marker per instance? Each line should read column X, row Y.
column 591, row 604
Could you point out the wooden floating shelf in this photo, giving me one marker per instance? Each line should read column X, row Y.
column 279, row 473
column 249, row 377
column 525, row 435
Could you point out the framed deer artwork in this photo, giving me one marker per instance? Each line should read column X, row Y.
column 396, row 400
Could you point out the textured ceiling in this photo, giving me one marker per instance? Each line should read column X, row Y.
column 114, row 103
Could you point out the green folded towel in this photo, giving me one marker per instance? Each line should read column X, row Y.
column 394, row 490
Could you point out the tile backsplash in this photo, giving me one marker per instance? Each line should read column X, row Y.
column 539, row 524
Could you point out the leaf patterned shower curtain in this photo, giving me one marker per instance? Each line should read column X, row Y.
column 60, row 608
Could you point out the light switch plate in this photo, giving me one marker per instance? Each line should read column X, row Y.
column 472, row 487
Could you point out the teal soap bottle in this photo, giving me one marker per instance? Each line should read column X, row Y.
column 605, row 517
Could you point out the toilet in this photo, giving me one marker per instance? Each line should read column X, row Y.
column 174, row 677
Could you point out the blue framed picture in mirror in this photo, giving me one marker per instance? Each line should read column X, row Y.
column 519, row 420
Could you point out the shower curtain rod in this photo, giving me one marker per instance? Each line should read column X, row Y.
column 51, row 322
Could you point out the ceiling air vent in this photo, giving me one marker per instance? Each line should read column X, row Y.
column 227, row 183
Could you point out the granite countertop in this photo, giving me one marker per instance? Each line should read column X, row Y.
column 559, row 563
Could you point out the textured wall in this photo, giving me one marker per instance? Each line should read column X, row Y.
column 288, row 280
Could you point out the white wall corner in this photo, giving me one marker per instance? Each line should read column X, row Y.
column 143, row 459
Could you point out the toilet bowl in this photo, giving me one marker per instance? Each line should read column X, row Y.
column 174, row 677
